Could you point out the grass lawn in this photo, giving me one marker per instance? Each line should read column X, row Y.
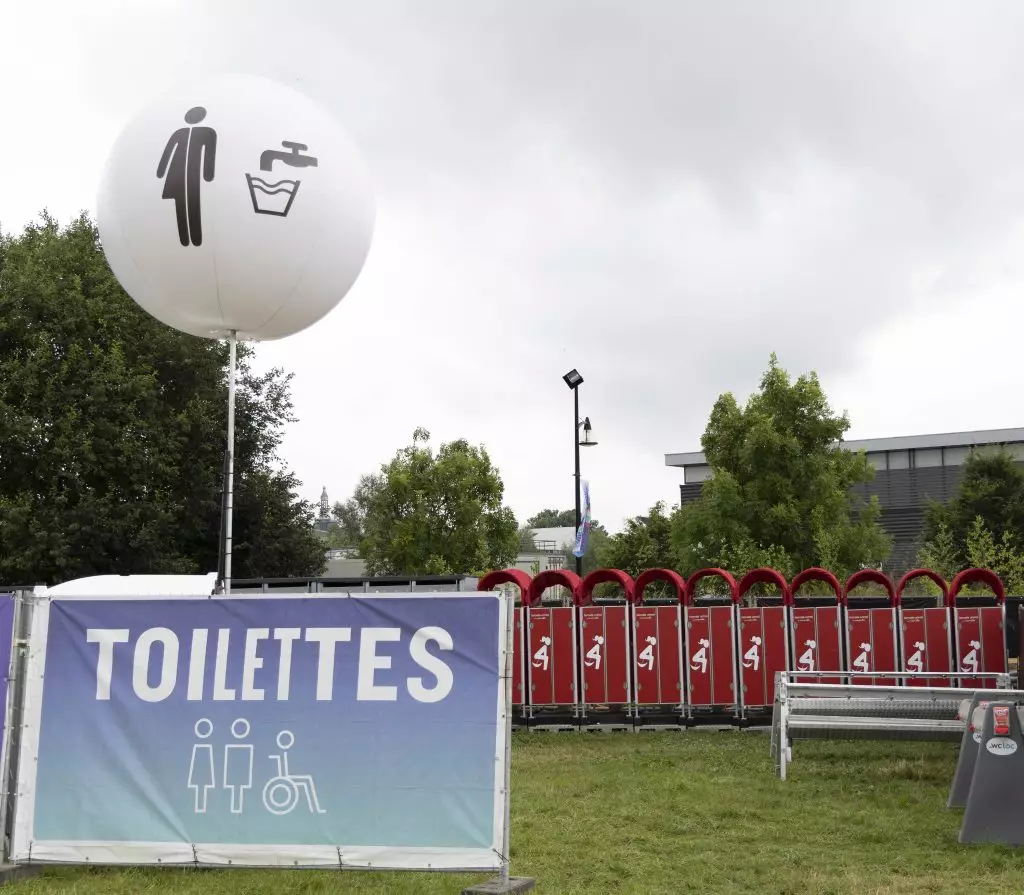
column 668, row 813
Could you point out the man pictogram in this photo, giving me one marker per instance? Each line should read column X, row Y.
column 238, row 762
column 189, row 158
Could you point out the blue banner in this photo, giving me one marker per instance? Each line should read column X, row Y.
column 366, row 731
column 583, row 532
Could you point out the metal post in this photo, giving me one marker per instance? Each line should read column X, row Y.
column 14, row 713
column 783, row 732
column 576, row 444
column 229, row 487
column 510, row 619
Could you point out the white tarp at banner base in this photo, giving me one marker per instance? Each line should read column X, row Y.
column 351, row 857
column 305, row 731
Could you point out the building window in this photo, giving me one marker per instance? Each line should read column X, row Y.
column 925, row 458
column 899, row 459
column 694, row 474
column 955, row 456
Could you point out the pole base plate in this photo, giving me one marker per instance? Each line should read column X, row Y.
column 501, row 886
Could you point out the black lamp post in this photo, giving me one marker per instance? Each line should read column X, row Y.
column 574, row 381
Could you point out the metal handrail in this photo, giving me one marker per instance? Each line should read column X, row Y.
column 853, row 710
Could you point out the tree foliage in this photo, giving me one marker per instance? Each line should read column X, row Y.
column 527, row 541
column 983, row 525
column 982, row 550
column 112, row 431
column 553, row 519
column 595, row 557
column 433, row 514
column 992, row 489
column 645, row 542
column 781, row 487
column 348, row 532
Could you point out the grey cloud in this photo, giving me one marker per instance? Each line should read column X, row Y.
column 660, row 193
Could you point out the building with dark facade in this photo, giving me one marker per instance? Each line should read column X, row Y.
column 910, row 471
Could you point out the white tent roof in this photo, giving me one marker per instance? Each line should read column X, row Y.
column 135, row 586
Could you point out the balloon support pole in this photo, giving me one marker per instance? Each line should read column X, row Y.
column 229, row 484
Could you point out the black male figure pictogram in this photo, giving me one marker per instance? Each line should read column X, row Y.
column 189, row 158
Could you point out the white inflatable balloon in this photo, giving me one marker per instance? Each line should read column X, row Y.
column 235, row 204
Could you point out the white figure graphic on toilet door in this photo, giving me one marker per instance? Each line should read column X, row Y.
column 970, row 661
column 699, row 660
column 863, row 660
column 541, row 657
column 646, row 657
column 916, row 660
column 752, row 657
column 806, row 662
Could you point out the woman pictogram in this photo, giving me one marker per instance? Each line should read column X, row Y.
column 189, row 158
column 202, row 775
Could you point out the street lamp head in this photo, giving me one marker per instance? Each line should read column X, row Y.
column 573, row 379
column 588, row 434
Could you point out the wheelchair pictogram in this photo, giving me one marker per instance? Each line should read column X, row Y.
column 282, row 792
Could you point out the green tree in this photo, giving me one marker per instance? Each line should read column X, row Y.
column 938, row 553
column 595, row 557
column 427, row 513
column 781, row 486
column 112, row 431
column 645, row 542
column 527, row 542
column 272, row 535
column 349, row 519
column 982, row 550
column 553, row 519
column 992, row 488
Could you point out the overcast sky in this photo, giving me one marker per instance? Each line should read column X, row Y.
column 657, row 193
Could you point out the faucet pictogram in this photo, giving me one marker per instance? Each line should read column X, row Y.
column 276, row 198
column 293, row 159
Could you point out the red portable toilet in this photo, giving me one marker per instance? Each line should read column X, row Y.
column 816, row 632
column 925, row 642
column 658, row 646
column 763, row 640
column 979, row 631
column 710, row 647
column 605, row 643
column 551, row 670
column 492, row 581
column 871, row 631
